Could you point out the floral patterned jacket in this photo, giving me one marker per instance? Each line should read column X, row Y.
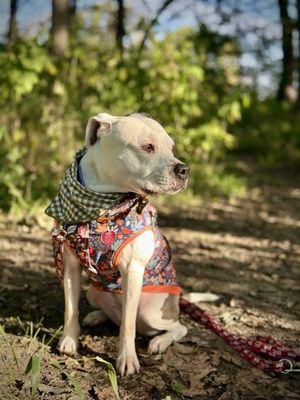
column 98, row 244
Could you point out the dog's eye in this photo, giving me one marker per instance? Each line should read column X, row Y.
column 149, row 148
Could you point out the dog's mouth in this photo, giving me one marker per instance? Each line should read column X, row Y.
column 148, row 192
column 172, row 190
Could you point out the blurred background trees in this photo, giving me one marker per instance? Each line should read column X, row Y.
column 222, row 76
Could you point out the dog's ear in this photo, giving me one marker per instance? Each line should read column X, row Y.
column 98, row 126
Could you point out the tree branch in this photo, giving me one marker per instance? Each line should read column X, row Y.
column 152, row 23
column 120, row 28
column 13, row 29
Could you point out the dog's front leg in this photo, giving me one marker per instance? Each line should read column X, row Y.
column 132, row 264
column 69, row 340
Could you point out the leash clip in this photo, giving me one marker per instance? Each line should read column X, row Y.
column 60, row 232
column 290, row 367
column 142, row 202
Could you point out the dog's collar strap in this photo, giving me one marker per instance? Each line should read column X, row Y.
column 76, row 203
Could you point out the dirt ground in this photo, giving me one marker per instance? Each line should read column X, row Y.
column 245, row 250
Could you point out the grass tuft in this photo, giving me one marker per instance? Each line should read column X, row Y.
column 74, row 382
column 34, row 368
column 112, row 376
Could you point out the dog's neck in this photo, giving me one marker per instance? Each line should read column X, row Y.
column 94, row 172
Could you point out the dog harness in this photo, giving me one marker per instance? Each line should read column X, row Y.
column 98, row 244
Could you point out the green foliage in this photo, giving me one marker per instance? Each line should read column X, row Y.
column 196, row 94
column 188, row 80
column 31, row 125
column 270, row 130
column 216, row 180
column 20, row 70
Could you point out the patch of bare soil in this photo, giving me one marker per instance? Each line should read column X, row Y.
column 245, row 250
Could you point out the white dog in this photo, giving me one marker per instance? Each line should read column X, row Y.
column 131, row 154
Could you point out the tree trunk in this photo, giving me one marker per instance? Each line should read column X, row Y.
column 152, row 23
column 286, row 90
column 60, row 27
column 298, row 64
column 72, row 10
column 120, row 29
column 13, row 28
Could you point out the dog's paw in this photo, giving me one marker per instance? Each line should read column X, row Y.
column 160, row 343
column 127, row 363
column 95, row 318
column 68, row 344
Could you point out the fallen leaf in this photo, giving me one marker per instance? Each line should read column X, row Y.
column 192, row 367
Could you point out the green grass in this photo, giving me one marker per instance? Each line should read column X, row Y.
column 39, row 361
column 34, row 369
column 112, row 376
column 76, row 385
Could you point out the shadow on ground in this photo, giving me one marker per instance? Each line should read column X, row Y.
column 245, row 250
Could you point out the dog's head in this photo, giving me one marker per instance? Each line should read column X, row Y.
column 136, row 153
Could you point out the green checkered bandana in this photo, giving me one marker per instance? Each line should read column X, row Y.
column 76, row 203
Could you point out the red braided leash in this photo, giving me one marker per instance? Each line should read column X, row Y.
column 265, row 353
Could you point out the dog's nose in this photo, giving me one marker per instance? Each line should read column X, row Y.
column 181, row 170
